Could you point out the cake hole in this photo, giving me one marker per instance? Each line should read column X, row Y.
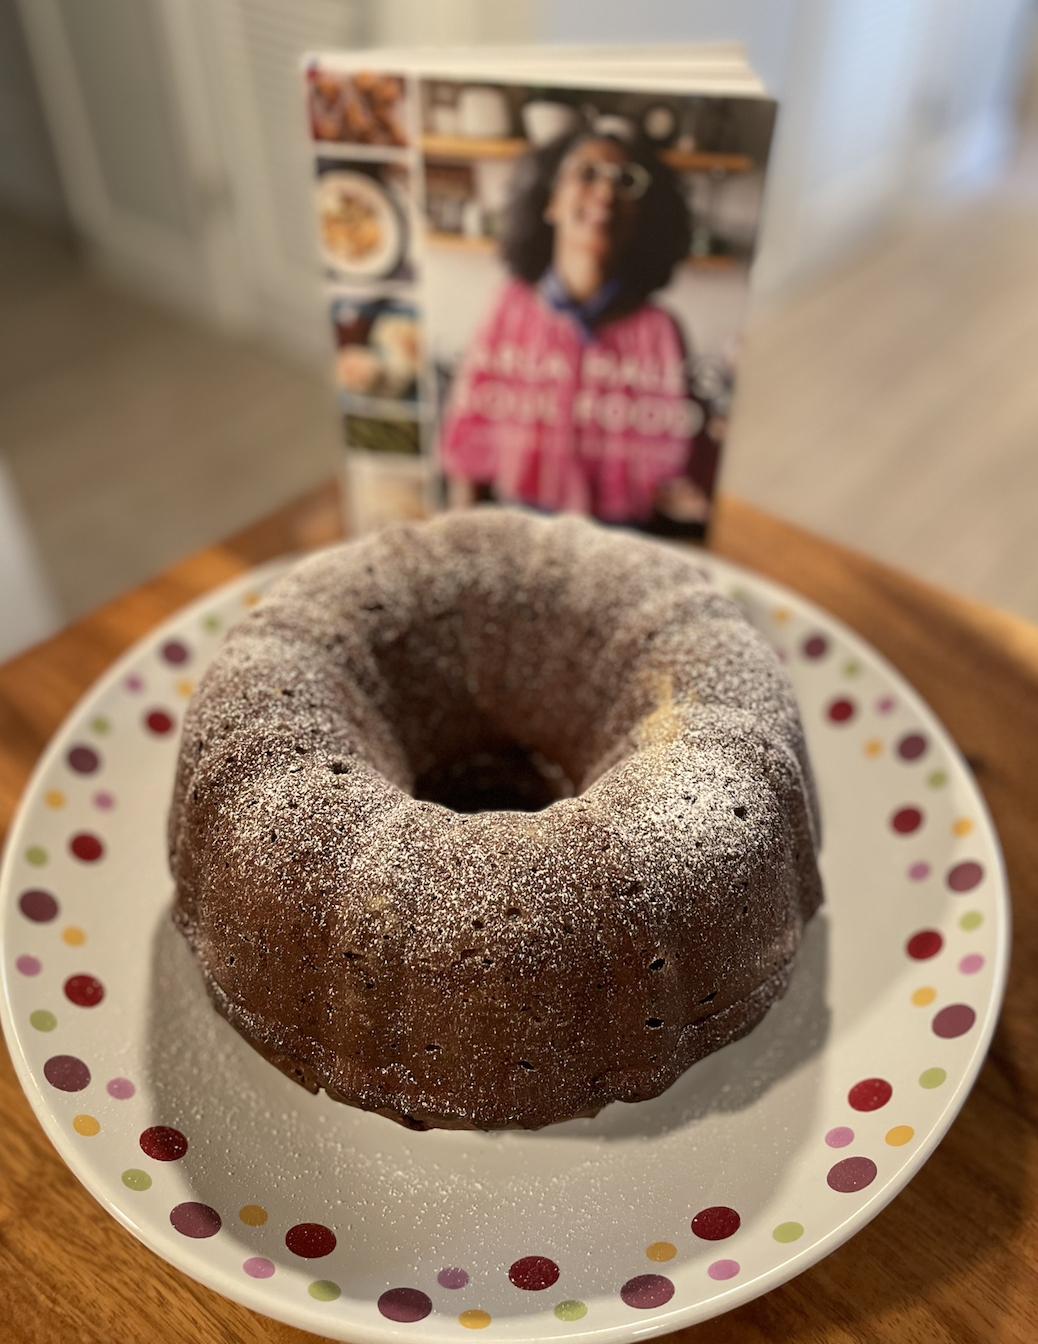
column 501, row 779
column 339, row 767
column 513, row 912
column 711, row 995
column 525, row 1064
column 432, row 1047
column 654, row 1022
column 477, row 923
column 658, row 964
column 741, row 811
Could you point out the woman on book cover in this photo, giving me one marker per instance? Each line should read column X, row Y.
column 574, row 393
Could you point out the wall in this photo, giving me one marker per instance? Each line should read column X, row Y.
column 29, row 182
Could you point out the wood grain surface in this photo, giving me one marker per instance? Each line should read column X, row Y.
column 954, row 1258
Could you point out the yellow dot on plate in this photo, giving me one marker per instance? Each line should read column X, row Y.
column 781, row 615
column 73, row 936
column 923, row 996
column 185, row 687
column 900, row 1135
column 250, row 599
column 873, row 747
column 253, row 1215
column 475, row 1319
column 54, row 798
column 86, row 1125
column 661, row 1250
column 962, row 826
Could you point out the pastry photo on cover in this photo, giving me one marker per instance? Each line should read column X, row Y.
column 580, row 281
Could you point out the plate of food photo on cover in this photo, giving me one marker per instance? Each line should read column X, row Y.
column 759, row 1161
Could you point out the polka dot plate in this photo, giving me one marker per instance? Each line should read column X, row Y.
column 758, row 1162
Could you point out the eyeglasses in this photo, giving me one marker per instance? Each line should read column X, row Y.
column 629, row 180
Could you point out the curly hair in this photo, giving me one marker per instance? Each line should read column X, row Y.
column 662, row 231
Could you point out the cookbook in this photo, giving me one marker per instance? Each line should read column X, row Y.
column 536, row 265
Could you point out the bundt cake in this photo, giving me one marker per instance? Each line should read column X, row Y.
column 634, row 900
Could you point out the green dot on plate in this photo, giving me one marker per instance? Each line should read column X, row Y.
column 932, row 1077
column 972, row 919
column 101, row 725
column 36, row 855
column 788, row 1232
column 212, row 622
column 43, row 1020
column 851, row 668
column 135, row 1179
column 324, row 1290
column 937, row 779
column 571, row 1311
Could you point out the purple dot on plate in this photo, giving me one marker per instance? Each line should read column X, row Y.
column 965, row 876
column 646, row 1291
column 839, row 1137
column 452, row 1278
column 258, row 1267
column 120, row 1088
column 723, row 1269
column 29, row 965
column 84, row 760
column 969, row 965
column 815, row 646
column 919, row 870
column 39, row 906
column 885, row 704
column 853, row 1173
column 912, row 746
column 195, row 1220
column 955, row 1020
column 133, row 683
column 175, row 652
column 104, row 801
column 405, row 1305
column 66, row 1073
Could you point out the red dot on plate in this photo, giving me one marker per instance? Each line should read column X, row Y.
column 175, row 652
column 310, row 1240
column 906, row 820
column 164, row 1143
column 86, row 847
column 841, row 711
column 159, row 721
column 534, row 1273
column 195, row 1220
column 955, row 1020
column 924, row 944
column 405, row 1305
column 853, row 1173
column 39, row 906
column 84, row 760
column 647, row 1291
column 84, row 990
column 870, row 1094
column 716, row 1223
column 815, row 646
column 911, row 746
column 965, row 876
column 66, row 1073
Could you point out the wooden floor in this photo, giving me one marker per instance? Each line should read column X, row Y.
column 892, row 405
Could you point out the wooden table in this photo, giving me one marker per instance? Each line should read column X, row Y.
column 954, row 1257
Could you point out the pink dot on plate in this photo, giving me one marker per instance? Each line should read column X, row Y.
column 84, row 760
column 885, row 704
column 716, row 1223
column 906, row 820
column 852, row 1174
column 405, row 1305
column 533, row 1273
column 66, row 1073
column 133, row 683
column 86, row 991
column 919, row 870
column 310, row 1241
column 841, row 711
column 452, row 1278
column 195, row 1220
column 839, row 1137
column 163, row 1143
column 39, row 906
column 924, row 944
column 86, row 847
column 965, row 876
column 259, row 1267
column 159, row 721
column 646, row 1291
column 970, row 964
column 955, row 1020
column 870, row 1094
column 120, row 1088
column 723, row 1269
column 29, row 965
column 912, row 746
column 815, row 646
column 104, row 801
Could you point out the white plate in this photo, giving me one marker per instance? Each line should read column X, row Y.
column 435, row 1229
column 380, row 254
